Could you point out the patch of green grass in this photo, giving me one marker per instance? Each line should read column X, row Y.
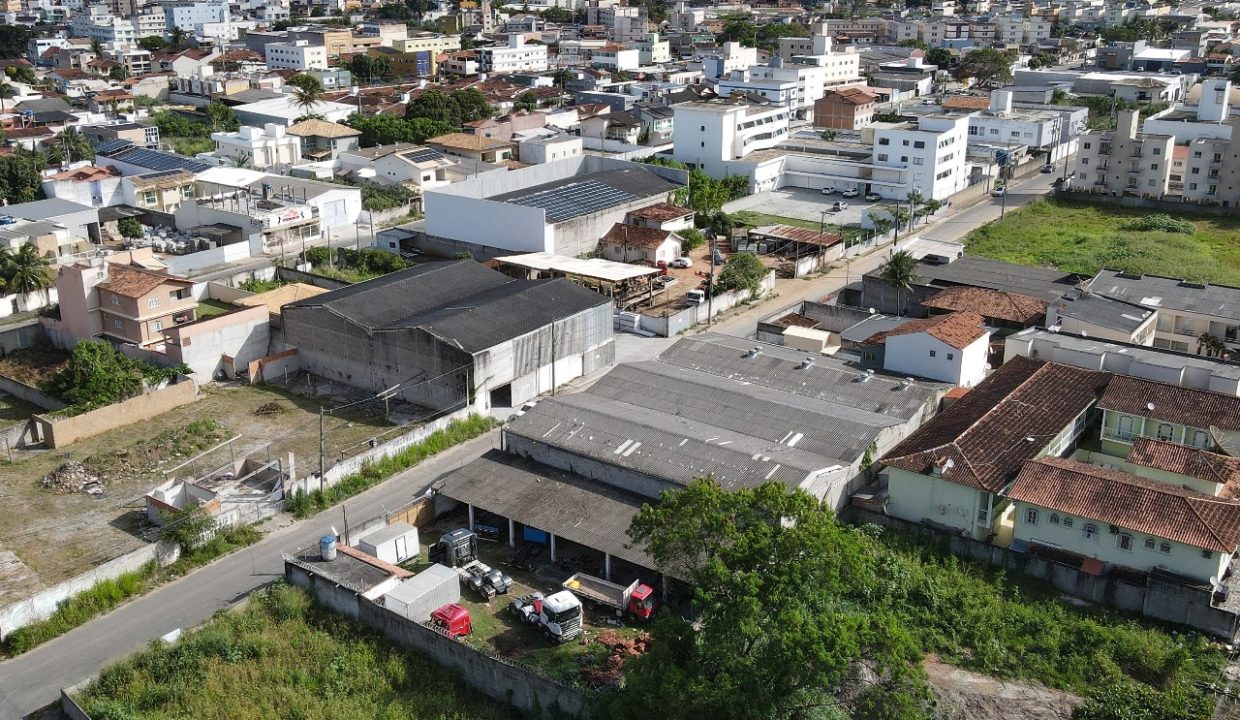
column 108, row 594
column 210, row 308
column 306, row 504
column 758, row 219
column 255, row 285
column 1084, row 238
column 282, row 657
column 980, row 618
column 190, row 146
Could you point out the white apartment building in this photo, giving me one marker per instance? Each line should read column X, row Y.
column 795, row 85
column 514, row 57
column 616, row 57
column 98, row 23
column 296, row 55
column 1124, row 162
column 262, row 148
column 189, row 15
column 651, row 50
column 1021, row 127
column 732, row 56
column 1209, row 119
column 840, row 66
column 151, row 21
column 932, row 150
column 708, row 136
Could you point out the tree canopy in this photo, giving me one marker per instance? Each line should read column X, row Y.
column 387, row 129
column 743, row 272
column 453, row 108
column 740, row 28
column 775, row 634
column 987, row 66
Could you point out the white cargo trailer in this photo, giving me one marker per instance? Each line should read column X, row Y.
column 424, row 593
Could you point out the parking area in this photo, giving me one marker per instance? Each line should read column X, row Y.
column 807, row 206
column 595, row 658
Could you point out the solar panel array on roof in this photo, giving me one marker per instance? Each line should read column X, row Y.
column 575, row 199
column 157, row 160
column 112, row 146
column 422, row 155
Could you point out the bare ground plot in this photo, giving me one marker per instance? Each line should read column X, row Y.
column 965, row 695
column 33, row 365
column 59, row 535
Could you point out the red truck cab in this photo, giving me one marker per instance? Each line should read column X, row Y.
column 452, row 620
column 642, row 603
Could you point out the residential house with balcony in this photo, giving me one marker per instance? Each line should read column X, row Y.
column 323, row 140
column 1134, row 408
column 622, row 127
column 136, row 305
column 158, row 192
column 1186, row 310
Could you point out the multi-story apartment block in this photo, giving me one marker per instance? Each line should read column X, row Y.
column 151, row 21
column 516, row 56
column 296, row 55
column 1124, row 162
column 708, row 136
column 932, row 151
column 189, row 15
column 98, row 23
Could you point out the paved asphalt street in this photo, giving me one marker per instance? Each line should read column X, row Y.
column 32, row 681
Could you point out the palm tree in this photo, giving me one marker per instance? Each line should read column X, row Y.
column 27, row 271
column 306, row 97
column 1211, row 345
column 241, row 160
column 96, row 47
column 177, row 38
column 900, row 272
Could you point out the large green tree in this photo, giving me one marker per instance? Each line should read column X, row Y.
column 454, row 108
column 387, row 129
column 774, row 634
column 900, row 272
column 743, row 272
column 986, row 66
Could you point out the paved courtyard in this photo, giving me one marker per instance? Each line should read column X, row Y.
column 807, row 205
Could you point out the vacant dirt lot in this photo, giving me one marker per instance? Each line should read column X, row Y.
column 964, row 695
column 58, row 535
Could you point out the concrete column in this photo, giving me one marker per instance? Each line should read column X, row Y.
column 512, row 533
column 607, row 566
column 471, row 517
column 552, row 535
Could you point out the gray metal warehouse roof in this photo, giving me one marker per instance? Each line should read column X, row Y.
column 581, row 511
column 1043, row 283
column 1164, row 292
column 778, row 368
column 672, row 447
column 563, row 200
column 461, row 302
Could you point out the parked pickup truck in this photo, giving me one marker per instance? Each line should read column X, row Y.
column 637, row 599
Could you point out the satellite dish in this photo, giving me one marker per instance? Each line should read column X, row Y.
column 1149, row 406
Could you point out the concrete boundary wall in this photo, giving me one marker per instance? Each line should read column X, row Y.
column 59, row 432
column 43, row 604
column 1154, row 598
column 29, row 393
column 498, row 678
column 350, row 466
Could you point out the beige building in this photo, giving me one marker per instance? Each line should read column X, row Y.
column 1125, row 162
column 845, row 109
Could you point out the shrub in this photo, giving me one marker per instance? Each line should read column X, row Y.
column 98, row 374
column 743, row 272
column 130, row 227
column 1162, row 222
column 691, row 239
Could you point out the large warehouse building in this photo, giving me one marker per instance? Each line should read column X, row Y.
column 453, row 334
column 562, row 207
column 578, row 466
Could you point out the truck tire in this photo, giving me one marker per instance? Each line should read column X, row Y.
column 546, row 633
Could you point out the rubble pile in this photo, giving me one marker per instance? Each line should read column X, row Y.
column 73, row 477
column 611, row 669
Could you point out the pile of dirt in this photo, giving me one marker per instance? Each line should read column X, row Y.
column 73, row 477
column 619, row 650
column 270, row 408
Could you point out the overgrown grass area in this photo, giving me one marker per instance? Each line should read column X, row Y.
column 756, row 219
column 977, row 617
column 1084, row 238
column 459, row 431
column 255, row 285
column 108, row 594
column 281, row 657
column 210, row 308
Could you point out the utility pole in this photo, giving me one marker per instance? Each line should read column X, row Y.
column 322, row 449
column 345, row 512
column 710, row 285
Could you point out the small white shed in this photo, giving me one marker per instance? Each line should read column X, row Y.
column 395, row 543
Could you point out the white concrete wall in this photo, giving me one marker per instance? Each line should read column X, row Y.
column 911, row 355
column 916, row 497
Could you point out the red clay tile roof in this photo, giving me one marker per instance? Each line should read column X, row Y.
column 1172, row 403
column 989, row 303
column 1131, row 502
column 134, row 282
column 31, row 132
column 82, row 174
column 799, row 234
column 635, row 236
column 965, row 102
column 985, row 433
column 958, row 329
column 662, row 212
column 855, row 95
column 1184, row 460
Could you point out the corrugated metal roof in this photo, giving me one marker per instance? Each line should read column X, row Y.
column 578, row 510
